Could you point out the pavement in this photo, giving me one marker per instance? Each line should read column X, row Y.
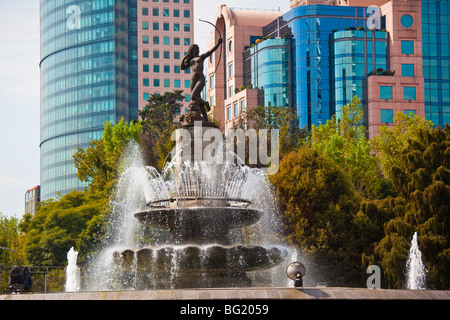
column 312, row 293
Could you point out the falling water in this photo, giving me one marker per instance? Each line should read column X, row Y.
column 140, row 184
column 415, row 276
column 72, row 272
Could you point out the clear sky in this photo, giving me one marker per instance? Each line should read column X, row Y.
column 19, row 89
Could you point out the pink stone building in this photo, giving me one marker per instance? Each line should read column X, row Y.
column 165, row 32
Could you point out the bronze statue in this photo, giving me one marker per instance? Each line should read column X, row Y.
column 195, row 61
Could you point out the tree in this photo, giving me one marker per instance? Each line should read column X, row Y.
column 345, row 142
column 390, row 143
column 71, row 221
column 283, row 118
column 421, row 178
column 11, row 239
column 100, row 163
column 158, row 118
column 320, row 206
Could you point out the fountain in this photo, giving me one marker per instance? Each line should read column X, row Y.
column 200, row 204
column 415, row 277
column 72, row 272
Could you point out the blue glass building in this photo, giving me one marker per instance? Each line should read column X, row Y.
column 267, row 66
column 318, row 87
column 354, row 55
column 436, row 59
column 88, row 76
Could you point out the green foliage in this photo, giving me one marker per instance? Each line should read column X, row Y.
column 100, row 163
column 421, row 180
column 345, row 142
column 11, row 238
column 390, row 143
column 59, row 225
column 274, row 117
column 320, row 206
column 158, row 125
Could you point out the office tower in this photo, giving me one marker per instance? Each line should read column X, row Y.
column 165, row 33
column 100, row 61
column 32, row 199
column 317, row 56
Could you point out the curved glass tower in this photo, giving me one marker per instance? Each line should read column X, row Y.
column 88, row 68
column 354, row 56
column 266, row 67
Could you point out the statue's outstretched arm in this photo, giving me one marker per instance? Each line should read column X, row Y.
column 208, row 53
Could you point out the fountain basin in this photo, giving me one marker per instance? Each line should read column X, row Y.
column 199, row 225
column 200, row 259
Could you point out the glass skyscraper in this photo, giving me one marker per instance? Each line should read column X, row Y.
column 436, row 59
column 88, row 61
column 394, row 55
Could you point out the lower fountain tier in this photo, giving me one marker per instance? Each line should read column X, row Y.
column 199, row 225
column 201, row 260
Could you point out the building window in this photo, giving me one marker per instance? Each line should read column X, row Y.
column 187, row 41
column 155, row 12
column 187, row 28
column 176, row 27
column 156, row 68
column 176, row 13
column 155, row 40
column 242, row 106
column 187, row 13
column 145, row 11
column 187, row 98
column 211, row 81
column 176, row 55
column 407, row 70
column 166, row 83
column 236, row 109
column 145, row 54
column 146, row 96
column 176, row 41
column 165, row 12
column 177, row 83
column 166, row 40
column 146, row 82
column 409, row 93
column 187, row 83
column 230, row 70
column 229, row 113
column 156, row 82
column 156, row 26
column 385, row 92
column 187, row 1
column 212, row 101
column 176, row 69
column 406, row 21
column 386, row 115
column 156, row 54
column 230, row 46
column 230, row 94
column 407, row 47
column 166, row 26
column 145, row 39
column 166, row 54
column 145, row 68
column 409, row 112
column 145, row 25
column 166, row 69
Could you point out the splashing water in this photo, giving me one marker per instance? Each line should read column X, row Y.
column 140, row 184
column 415, row 277
column 72, row 272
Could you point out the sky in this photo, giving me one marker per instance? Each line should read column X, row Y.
column 19, row 89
